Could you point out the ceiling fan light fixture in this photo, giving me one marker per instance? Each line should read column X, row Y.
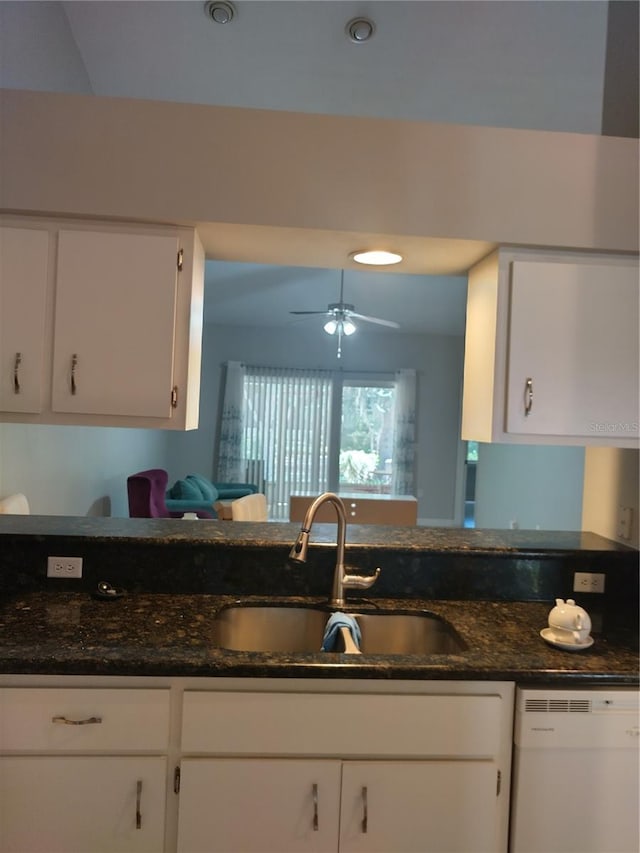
column 376, row 257
column 331, row 327
column 348, row 327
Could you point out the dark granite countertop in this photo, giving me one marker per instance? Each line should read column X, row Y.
column 495, row 587
column 273, row 534
column 72, row 633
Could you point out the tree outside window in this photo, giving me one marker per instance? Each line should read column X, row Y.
column 366, row 437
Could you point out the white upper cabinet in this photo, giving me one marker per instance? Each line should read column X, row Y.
column 24, row 264
column 551, row 351
column 117, row 312
column 115, row 315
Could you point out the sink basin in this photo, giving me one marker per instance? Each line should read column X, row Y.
column 295, row 629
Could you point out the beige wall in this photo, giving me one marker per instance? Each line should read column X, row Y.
column 77, row 154
column 610, row 483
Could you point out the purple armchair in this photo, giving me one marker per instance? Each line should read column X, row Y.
column 146, row 491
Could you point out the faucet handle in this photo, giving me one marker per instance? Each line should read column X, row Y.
column 359, row 581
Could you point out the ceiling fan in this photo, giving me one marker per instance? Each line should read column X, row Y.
column 341, row 315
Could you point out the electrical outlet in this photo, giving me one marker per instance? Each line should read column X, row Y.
column 624, row 522
column 588, row 582
column 64, row 567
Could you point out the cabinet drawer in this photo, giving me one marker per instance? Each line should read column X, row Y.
column 344, row 725
column 83, row 720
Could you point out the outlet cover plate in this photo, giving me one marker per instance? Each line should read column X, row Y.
column 64, row 567
column 588, row 582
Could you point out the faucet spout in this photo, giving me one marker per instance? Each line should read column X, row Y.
column 341, row 579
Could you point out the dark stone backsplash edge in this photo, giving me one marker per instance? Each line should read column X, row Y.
column 144, row 555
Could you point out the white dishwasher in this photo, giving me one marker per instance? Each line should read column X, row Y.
column 575, row 785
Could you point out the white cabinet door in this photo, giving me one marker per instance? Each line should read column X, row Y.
column 419, row 807
column 82, row 804
column 114, row 323
column 24, row 257
column 271, row 805
column 574, row 340
column 258, row 806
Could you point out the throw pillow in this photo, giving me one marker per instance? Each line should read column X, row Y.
column 185, row 490
column 207, row 490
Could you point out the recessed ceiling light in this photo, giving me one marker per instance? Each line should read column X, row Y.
column 376, row 257
column 219, row 11
column 360, row 30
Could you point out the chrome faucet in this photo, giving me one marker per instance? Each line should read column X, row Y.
column 341, row 579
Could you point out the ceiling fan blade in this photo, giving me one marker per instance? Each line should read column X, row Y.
column 390, row 323
column 310, row 312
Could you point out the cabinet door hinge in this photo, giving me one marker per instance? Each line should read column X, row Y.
column 176, row 780
column 174, row 397
column 180, row 259
column 498, row 783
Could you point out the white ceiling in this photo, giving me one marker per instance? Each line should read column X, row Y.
column 535, row 64
column 257, row 295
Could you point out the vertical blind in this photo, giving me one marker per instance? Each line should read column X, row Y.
column 276, row 432
column 286, row 423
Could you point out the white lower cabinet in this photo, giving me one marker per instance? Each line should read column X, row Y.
column 83, row 770
column 291, row 806
column 251, row 765
column 410, row 806
column 345, row 772
column 82, row 804
column 275, row 805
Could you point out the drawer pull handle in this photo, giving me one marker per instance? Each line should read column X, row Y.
column 138, row 804
column 16, row 373
column 315, row 808
column 74, row 365
column 365, row 809
column 528, row 396
column 67, row 722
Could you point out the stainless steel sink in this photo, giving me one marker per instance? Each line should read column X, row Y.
column 299, row 630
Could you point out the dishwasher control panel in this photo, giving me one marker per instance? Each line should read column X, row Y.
column 570, row 719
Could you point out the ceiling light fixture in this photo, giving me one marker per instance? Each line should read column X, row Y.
column 219, row 11
column 339, row 326
column 360, row 30
column 376, row 257
column 341, row 316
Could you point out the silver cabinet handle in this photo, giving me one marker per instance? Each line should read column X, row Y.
column 89, row 721
column 74, row 364
column 528, row 396
column 138, row 804
column 315, row 807
column 365, row 809
column 16, row 368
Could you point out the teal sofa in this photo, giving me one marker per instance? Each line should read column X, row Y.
column 196, row 492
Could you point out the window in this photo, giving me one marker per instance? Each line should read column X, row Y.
column 366, row 436
column 308, row 431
